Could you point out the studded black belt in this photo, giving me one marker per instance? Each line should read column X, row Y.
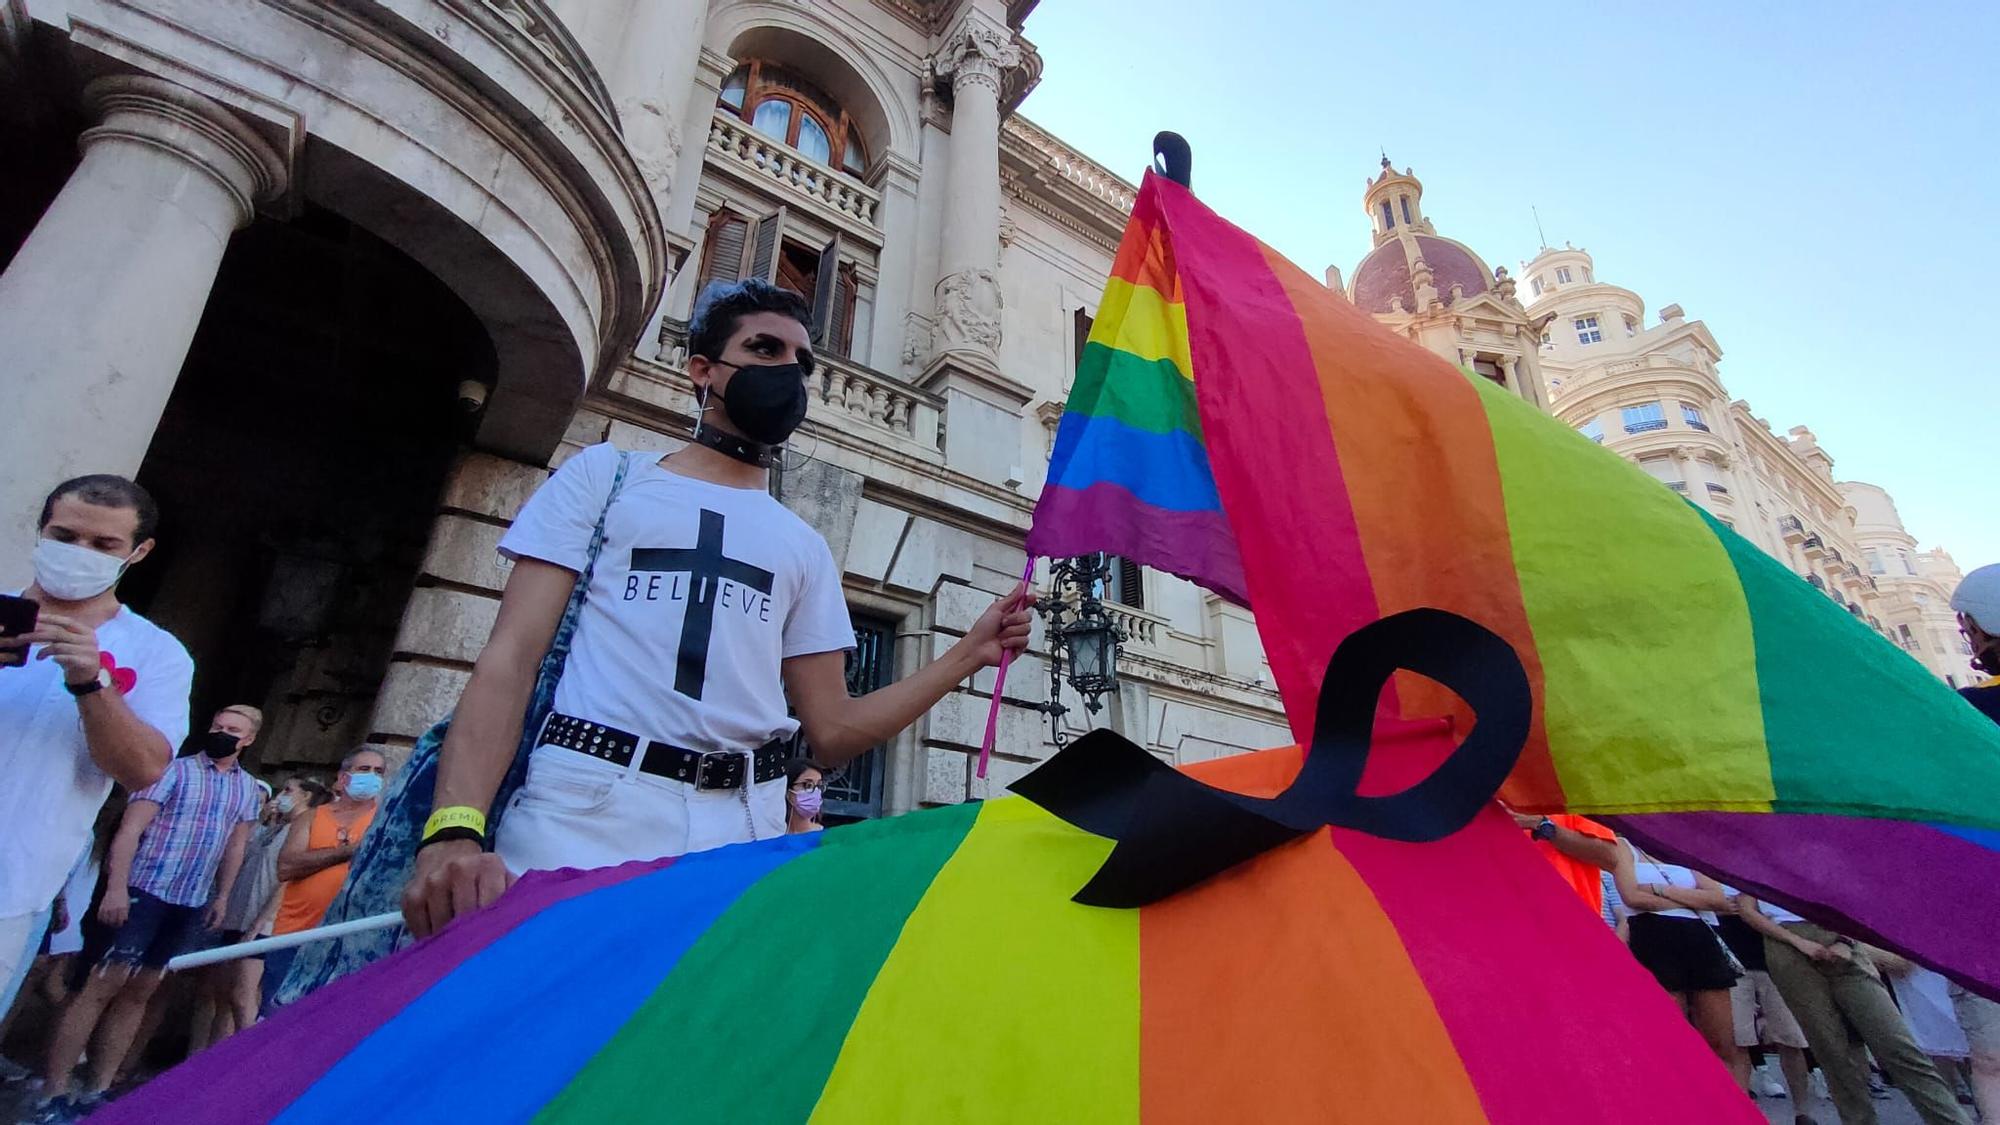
column 713, row 769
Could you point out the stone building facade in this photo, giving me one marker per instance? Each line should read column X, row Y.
column 342, row 283
column 1654, row 395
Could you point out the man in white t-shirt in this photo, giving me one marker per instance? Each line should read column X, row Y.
column 710, row 605
column 92, row 694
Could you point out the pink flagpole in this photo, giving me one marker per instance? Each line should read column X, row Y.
column 1000, row 681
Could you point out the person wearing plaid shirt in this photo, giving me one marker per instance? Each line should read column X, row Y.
column 166, row 880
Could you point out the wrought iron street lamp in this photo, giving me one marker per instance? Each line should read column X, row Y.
column 1082, row 634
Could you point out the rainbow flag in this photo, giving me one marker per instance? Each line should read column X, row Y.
column 1674, row 665
column 932, row 967
column 1129, row 473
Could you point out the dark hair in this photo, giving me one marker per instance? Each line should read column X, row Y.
column 723, row 305
column 796, row 768
column 316, row 792
column 107, row 491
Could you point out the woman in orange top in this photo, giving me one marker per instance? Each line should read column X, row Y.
column 314, row 861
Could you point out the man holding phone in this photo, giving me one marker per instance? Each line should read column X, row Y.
column 90, row 693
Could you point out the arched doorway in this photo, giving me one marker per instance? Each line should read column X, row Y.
column 297, row 466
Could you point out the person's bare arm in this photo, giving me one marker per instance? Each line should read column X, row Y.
column 117, row 902
column 1706, row 894
column 1635, row 895
column 225, row 875
column 299, row 858
column 126, row 747
column 840, row 727
column 1579, row 846
column 456, row 876
column 1746, row 909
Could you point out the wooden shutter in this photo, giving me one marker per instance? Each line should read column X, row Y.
column 1082, row 333
column 722, row 257
column 823, row 295
column 1131, row 588
column 765, row 242
column 842, row 328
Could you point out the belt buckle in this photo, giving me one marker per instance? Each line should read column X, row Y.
column 719, row 769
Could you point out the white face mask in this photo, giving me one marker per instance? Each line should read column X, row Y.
column 70, row 573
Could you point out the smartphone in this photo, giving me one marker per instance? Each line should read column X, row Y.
column 17, row 616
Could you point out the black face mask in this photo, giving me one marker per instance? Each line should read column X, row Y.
column 766, row 401
column 216, row 744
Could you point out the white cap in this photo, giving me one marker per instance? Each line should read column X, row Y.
column 1978, row 597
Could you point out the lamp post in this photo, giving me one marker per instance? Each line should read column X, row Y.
column 1081, row 633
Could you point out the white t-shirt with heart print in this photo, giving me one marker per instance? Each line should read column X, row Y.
column 702, row 591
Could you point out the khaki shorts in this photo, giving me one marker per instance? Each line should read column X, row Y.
column 1762, row 1020
column 1980, row 1018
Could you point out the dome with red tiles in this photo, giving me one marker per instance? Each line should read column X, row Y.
column 1385, row 274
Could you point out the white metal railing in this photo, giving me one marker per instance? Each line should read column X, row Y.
column 731, row 138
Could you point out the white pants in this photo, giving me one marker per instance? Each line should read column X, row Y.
column 578, row 811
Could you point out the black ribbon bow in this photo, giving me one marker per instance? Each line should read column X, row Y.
column 1173, row 831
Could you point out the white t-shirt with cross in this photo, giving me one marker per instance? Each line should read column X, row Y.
column 701, row 593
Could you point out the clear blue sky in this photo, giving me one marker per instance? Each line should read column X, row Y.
column 1815, row 181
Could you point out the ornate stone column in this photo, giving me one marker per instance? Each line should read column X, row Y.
column 968, row 288
column 99, row 306
column 983, row 406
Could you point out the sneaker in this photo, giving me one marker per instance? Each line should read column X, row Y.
column 65, row 1109
column 1765, row 1084
column 13, row 1073
column 1818, row 1085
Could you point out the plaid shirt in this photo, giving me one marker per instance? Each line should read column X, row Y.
column 181, row 849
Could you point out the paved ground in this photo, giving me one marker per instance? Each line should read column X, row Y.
column 1894, row 1110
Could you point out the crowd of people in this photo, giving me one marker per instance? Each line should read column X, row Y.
column 1759, row 982
column 711, row 640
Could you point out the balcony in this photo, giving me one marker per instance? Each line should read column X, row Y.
column 1792, row 529
column 1811, row 544
column 1818, row 582
column 1679, row 486
column 1645, row 427
column 1141, row 628
column 1694, row 424
column 1715, row 489
column 872, row 398
column 735, row 146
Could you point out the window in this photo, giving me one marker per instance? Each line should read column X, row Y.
column 1388, row 216
column 1593, row 429
column 1080, row 333
column 1631, row 325
column 1644, row 417
column 1562, row 275
column 1692, row 416
column 1906, row 638
column 1535, row 283
column 1406, row 210
column 787, row 107
column 854, row 791
column 1127, row 585
column 1586, row 273
column 1874, row 558
column 1904, row 557
column 1490, row 369
column 736, row 247
column 1586, row 330
column 1547, row 340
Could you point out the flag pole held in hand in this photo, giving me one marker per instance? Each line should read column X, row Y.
column 1000, row 681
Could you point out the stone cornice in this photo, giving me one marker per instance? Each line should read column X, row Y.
column 1062, row 185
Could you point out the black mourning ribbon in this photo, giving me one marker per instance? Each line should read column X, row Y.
column 1174, row 831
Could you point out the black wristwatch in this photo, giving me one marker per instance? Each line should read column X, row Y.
column 101, row 681
column 1546, row 830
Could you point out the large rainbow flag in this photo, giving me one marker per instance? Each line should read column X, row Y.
column 1674, row 665
column 932, row 967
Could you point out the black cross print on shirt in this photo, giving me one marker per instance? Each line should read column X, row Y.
column 706, row 568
